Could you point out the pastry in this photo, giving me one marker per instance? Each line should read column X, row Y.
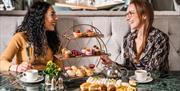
column 85, row 86
column 74, row 68
column 89, row 72
column 132, row 82
column 88, row 52
column 77, row 34
column 111, row 88
column 83, row 50
column 83, row 67
column 118, row 82
column 94, row 87
column 131, row 88
column 90, row 80
column 67, row 68
column 97, row 87
column 90, row 33
column 122, row 88
column 76, row 53
column 111, row 82
column 125, row 84
column 96, row 50
column 80, row 73
column 71, row 73
column 63, row 50
column 67, row 54
column 103, row 87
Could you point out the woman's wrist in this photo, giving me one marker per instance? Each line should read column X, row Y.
column 110, row 61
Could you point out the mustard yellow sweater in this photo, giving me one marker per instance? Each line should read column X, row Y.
column 17, row 48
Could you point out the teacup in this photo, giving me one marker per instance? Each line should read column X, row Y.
column 142, row 75
column 31, row 75
column 1, row 7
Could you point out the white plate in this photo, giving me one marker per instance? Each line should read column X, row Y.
column 146, row 81
column 23, row 79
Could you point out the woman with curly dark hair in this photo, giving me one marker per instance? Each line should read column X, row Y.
column 35, row 41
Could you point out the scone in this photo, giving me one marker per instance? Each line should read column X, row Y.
column 111, row 88
column 97, row 87
column 122, row 88
column 80, row 73
column 94, row 87
column 74, row 68
column 89, row 72
column 83, row 67
column 131, row 88
column 85, row 86
column 71, row 73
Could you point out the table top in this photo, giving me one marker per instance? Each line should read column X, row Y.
column 9, row 82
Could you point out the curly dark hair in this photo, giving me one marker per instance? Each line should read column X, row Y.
column 33, row 26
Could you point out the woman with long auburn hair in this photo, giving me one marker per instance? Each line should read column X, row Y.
column 34, row 42
column 145, row 47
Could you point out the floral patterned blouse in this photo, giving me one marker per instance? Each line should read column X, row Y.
column 155, row 55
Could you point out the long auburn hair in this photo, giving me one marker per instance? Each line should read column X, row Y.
column 33, row 26
column 143, row 7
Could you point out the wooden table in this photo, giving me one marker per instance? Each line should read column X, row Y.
column 89, row 7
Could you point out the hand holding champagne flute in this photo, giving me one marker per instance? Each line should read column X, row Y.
column 26, row 65
column 21, row 67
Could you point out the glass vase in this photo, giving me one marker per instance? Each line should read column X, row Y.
column 48, row 79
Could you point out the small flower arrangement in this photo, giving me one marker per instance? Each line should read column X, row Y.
column 52, row 69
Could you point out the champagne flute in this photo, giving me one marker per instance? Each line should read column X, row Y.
column 29, row 51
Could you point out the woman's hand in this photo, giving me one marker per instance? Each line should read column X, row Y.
column 105, row 59
column 21, row 67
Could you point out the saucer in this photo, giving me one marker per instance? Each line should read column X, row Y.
column 24, row 80
column 146, row 81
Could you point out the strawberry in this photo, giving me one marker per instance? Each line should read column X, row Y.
column 91, row 66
